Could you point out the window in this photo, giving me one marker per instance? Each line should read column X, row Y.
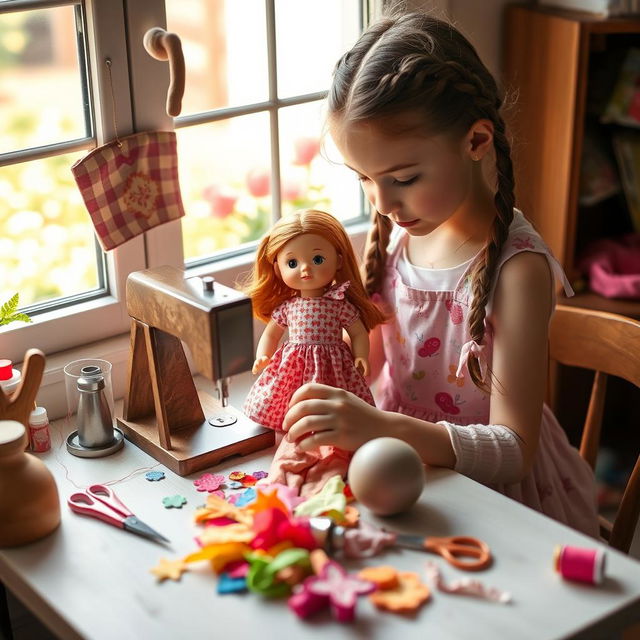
column 248, row 142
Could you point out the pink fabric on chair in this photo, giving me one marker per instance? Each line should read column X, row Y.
column 613, row 266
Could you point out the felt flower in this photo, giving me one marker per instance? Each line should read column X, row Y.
column 174, row 502
column 407, row 596
column 338, row 587
column 154, row 476
column 208, row 482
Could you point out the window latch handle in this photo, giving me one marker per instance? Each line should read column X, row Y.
column 163, row 45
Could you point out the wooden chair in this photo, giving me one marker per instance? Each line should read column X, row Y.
column 608, row 344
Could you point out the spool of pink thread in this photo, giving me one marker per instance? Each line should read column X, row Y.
column 579, row 564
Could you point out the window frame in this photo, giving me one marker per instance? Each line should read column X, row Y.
column 139, row 90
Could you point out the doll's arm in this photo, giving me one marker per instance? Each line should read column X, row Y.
column 359, row 346
column 267, row 345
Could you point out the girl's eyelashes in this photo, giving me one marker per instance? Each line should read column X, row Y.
column 318, row 259
column 405, row 183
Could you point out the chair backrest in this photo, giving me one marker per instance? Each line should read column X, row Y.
column 608, row 344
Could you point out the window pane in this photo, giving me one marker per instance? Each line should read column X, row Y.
column 225, row 184
column 47, row 246
column 306, row 56
column 41, row 86
column 312, row 172
column 225, row 51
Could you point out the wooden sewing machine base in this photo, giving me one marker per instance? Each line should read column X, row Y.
column 203, row 445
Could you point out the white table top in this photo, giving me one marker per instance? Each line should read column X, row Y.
column 91, row 580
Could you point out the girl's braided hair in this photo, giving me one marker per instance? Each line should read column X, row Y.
column 417, row 63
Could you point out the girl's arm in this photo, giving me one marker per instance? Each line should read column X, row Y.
column 267, row 345
column 522, row 307
column 359, row 346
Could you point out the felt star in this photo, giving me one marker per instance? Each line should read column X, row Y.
column 266, row 500
column 172, row 569
column 341, row 588
column 208, row 482
column 154, row 476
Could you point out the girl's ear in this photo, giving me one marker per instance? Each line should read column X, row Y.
column 479, row 139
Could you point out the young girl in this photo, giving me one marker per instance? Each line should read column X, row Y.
column 467, row 279
column 306, row 279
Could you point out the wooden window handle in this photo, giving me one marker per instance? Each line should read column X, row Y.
column 162, row 45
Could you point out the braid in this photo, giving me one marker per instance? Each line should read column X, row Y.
column 484, row 273
column 375, row 253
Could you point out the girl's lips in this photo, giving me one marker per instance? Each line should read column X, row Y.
column 410, row 223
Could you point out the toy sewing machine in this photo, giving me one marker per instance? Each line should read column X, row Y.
column 163, row 413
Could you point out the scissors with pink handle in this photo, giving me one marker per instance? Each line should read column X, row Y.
column 99, row 501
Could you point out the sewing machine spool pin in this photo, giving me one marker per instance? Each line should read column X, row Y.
column 164, row 414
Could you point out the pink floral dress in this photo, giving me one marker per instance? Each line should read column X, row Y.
column 427, row 344
column 314, row 352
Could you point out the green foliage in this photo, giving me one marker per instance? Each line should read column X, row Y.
column 9, row 311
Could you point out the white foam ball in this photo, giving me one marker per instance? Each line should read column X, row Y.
column 386, row 475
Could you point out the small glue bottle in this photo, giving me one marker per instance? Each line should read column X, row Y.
column 39, row 433
column 9, row 377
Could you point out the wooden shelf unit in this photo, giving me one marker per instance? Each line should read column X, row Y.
column 548, row 64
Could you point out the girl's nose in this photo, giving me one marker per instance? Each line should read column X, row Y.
column 383, row 202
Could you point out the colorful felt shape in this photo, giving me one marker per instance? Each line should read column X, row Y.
column 174, row 502
column 339, row 587
column 288, row 495
column 237, row 569
column 236, row 532
column 330, row 498
column 219, row 508
column 237, row 475
column 154, row 476
column 220, row 555
column 408, row 596
column 230, row 584
column 263, row 576
column 169, row 569
column 259, row 475
column 384, row 577
column 466, row 586
column 209, row 482
column 234, row 484
column 266, row 500
column 273, row 525
column 245, row 498
column 262, row 580
column 248, row 480
column 305, row 604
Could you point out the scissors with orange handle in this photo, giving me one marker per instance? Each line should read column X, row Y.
column 99, row 501
column 463, row 552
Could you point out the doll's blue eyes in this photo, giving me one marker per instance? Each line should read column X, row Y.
column 317, row 260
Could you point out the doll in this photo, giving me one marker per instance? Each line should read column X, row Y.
column 305, row 279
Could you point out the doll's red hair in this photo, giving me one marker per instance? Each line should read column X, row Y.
column 268, row 291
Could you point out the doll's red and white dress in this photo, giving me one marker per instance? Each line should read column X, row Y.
column 314, row 352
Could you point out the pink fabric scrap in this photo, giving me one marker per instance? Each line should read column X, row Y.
column 466, row 586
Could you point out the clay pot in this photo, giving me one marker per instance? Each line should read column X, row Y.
column 29, row 503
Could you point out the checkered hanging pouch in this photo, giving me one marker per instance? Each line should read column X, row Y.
column 130, row 185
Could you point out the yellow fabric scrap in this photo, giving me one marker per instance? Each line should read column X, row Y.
column 220, row 555
column 238, row 532
column 330, row 498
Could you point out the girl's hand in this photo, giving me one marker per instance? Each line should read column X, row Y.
column 323, row 415
column 260, row 364
column 362, row 365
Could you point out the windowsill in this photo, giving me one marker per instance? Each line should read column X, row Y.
column 52, row 394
